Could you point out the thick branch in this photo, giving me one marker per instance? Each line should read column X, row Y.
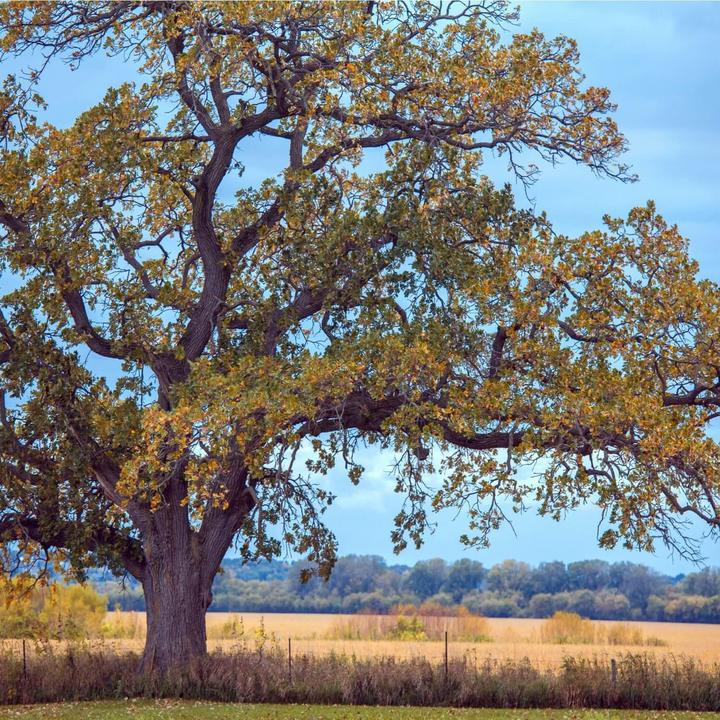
column 18, row 527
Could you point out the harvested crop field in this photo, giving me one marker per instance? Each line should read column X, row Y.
column 508, row 638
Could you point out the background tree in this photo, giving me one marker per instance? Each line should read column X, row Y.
column 550, row 577
column 590, row 574
column 58, row 612
column 462, row 577
column 426, row 578
column 636, row 582
column 510, row 576
column 251, row 337
column 706, row 583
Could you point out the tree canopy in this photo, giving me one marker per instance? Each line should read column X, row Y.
column 415, row 307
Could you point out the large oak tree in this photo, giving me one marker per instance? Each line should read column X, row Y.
column 183, row 356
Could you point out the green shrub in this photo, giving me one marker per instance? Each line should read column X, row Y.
column 72, row 612
column 124, row 625
column 408, row 628
column 55, row 612
column 18, row 612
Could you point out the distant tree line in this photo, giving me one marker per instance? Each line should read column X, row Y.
column 366, row 583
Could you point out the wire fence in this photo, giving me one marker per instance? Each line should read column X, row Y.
column 294, row 650
column 439, row 654
column 286, row 670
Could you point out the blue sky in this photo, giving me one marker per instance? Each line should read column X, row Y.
column 661, row 62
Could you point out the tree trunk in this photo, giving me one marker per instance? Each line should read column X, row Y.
column 177, row 596
column 176, row 636
column 177, row 575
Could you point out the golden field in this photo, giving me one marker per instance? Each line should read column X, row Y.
column 510, row 638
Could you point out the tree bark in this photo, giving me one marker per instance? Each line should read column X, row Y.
column 177, row 590
column 176, row 603
column 180, row 564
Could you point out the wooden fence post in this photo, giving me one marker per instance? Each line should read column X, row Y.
column 613, row 672
column 289, row 661
column 446, row 655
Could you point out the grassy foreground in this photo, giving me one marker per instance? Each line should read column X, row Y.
column 191, row 710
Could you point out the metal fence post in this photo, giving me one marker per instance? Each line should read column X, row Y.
column 289, row 661
column 24, row 659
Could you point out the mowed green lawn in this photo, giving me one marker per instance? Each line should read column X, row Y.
column 179, row 710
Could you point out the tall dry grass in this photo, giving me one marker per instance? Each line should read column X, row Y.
column 464, row 627
column 642, row 682
column 569, row 628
